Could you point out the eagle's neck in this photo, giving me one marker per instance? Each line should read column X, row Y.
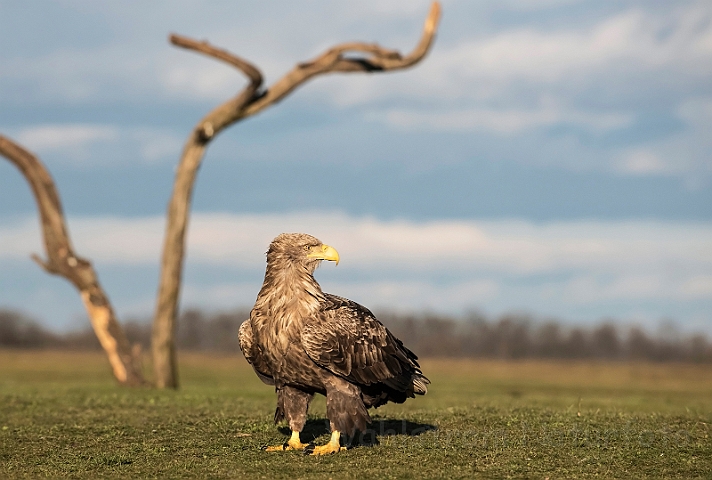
column 289, row 296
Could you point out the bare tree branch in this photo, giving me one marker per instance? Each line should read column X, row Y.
column 333, row 60
column 249, row 102
column 248, row 69
column 62, row 261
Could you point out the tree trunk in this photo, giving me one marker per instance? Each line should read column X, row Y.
column 165, row 365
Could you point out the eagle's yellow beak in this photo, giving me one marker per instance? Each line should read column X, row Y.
column 324, row 252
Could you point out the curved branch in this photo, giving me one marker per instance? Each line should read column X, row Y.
column 247, row 68
column 62, row 261
column 333, row 60
column 248, row 102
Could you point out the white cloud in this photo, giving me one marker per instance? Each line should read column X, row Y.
column 697, row 287
column 580, row 270
column 628, row 251
column 630, row 45
column 635, row 286
column 155, row 145
column 541, row 56
column 213, row 81
column 81, row 75
column 220, row 296
column 503, row 121
column 587, row 289
column 91, row 144
column 20, row 240
column 641, row 161
column 532, row 5
column 687, row 152
column 71, row 138
column 372, row 9
column 412, row 295
column 105, row 239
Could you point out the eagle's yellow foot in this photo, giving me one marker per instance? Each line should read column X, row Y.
column 332, row 447
column 292, row 444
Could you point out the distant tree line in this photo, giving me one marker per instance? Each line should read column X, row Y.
column 517, row 336
column 513, row 336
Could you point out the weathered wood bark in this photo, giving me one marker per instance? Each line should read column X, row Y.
column 249, row 102
column 61, row 260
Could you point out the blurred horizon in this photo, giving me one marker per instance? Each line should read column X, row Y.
column 512, row 336
column 547, row 156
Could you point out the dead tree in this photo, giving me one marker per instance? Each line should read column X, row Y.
column 362, row 57
column 61, row 260
column 251, row 100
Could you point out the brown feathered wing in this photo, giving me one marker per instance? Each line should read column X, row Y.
column 252, row 352
column 350, row 342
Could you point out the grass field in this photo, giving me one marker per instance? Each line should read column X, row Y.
column 62, row 416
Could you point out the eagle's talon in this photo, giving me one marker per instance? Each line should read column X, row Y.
column 333, row 446
column 275, row 448
column 292, row 444
column 327, row 449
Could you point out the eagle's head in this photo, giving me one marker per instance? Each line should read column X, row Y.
column 300, row 250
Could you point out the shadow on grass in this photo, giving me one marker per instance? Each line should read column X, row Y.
column 315, row 428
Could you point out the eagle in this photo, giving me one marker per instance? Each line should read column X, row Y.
column 304, row 341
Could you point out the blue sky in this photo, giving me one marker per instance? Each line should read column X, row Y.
column 548, row 156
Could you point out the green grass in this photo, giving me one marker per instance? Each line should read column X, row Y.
column 62, row 416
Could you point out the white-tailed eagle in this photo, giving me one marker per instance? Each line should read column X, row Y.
column 304, row 341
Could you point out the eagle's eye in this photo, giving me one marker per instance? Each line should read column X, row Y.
column 306, row 248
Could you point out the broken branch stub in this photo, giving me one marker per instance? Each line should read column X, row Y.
column 373, row 58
